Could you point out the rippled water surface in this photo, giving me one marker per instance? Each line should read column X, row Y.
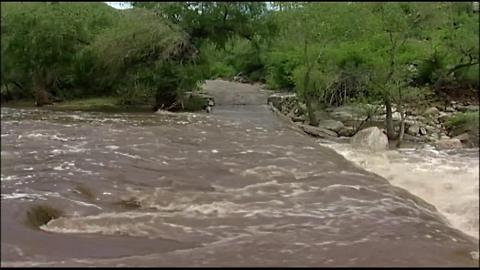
column 233, row 188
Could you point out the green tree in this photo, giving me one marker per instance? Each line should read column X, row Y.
column 398, row 24
column 216, row 21
column 40, row 42
column 145, row 56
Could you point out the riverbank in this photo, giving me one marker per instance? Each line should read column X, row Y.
column 100, row 104
column 454, row 125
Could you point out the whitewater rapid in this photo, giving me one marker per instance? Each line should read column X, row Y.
column 447, row 179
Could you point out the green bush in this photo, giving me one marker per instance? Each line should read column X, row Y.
column 465, row 123
column 279, row 68
column 194, row 103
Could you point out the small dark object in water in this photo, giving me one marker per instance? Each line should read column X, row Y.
column 131, row 203
column 40, row 215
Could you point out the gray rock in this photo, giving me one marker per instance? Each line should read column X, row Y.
column 396, row 116
column 331, row 125
column 348, row 113
column 443, row 117
column 413, row 130
column 431, row 111
column 423, row 131
column 299, row 118
column 431, row 129
column 346, row 131
column 372, row 138
column 302, row 106
column 448, row 144
column 318, row 132
column 279, row 100
column 464, row 137
column 450, row 109
column 444, row 137
column 407, row 137
column 468, row 108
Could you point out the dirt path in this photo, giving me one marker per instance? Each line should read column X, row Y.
column 233, row 93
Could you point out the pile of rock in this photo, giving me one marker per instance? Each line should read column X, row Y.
column 288, row 105
column 420, row 126
column 241, row 78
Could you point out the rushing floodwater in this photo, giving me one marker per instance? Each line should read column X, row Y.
column 233, row 188
column 447, row 179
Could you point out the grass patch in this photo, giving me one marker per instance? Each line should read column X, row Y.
column 463, row 122
column 97, row 104
column 40, row 215
column 19, row 103
column 467, row 122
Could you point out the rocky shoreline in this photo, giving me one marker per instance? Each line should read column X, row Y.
column 427, row 125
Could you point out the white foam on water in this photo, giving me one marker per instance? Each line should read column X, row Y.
column 10, row 178
column 127, row 155
column 64, row 166
column 55, row 137
column 15, row 195
column 34, row 135
column 335, row 186
column 449, row 181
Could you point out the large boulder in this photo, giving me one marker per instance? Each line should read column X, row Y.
column 318, row 132
column 396, row 116
column 464, row 137
column 453, row 143
column 331, row 125
column 372, row 138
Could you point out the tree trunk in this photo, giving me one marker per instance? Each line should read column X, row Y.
column 41, row 95
column 7, row 96
column 402, row 127
column 308, row 100
column 389, row 119
column 311, row 111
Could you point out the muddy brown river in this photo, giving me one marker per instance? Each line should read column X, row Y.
column 237, row 187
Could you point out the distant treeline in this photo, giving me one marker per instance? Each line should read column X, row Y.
column 330, row 53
